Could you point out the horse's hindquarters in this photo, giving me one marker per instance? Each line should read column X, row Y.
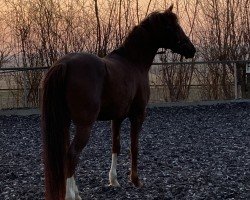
column 85, row 77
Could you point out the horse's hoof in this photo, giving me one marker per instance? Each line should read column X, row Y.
column 78, row 197
column 136, row 182
column 69, row 198
column 114, row 183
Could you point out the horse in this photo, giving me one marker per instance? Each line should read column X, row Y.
column 83, row 88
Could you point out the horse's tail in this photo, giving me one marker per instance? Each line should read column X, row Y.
column 55, row 124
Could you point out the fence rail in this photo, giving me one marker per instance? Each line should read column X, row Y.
column 155, row 63
column 170, row 81
column 204, row 62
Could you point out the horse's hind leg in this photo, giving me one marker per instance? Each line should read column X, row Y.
column 116, row 125
column 79, row 142
column 72, row 192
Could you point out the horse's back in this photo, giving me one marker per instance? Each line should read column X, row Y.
column 83, row 63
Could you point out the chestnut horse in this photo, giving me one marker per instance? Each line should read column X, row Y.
column 83, row 88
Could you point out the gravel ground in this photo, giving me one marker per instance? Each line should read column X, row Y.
column 190, row 152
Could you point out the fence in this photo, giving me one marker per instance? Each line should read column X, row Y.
column 20, row 87
column 199, row 81
column 177, row 81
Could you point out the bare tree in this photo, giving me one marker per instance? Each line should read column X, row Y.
column 221, row 38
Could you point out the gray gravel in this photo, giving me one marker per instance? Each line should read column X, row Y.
column 192, row 152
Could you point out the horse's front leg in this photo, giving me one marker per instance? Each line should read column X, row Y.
column 136, row 124
column 115, row 126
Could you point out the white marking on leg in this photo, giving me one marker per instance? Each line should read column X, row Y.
column 70, row 192
column 77, row 196
column 112, row 173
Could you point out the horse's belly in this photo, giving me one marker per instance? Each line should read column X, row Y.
column 104, row 116
column 113, row 112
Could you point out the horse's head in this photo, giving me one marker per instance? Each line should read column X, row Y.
column 176, row 39
column 169, row 34
column 180, row 43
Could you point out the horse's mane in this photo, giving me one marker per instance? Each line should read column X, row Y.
column 146, row 27
column 151, row 23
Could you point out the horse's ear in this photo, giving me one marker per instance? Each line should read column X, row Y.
column 170, row 9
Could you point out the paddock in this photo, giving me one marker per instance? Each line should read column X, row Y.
column 186, row 152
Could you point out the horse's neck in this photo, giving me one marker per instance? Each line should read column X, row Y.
column 139, row 56
column 139, row 48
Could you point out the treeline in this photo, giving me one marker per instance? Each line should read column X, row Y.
column 37, row 32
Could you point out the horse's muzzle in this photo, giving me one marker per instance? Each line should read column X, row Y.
column 191, row 52
column 185, row 49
